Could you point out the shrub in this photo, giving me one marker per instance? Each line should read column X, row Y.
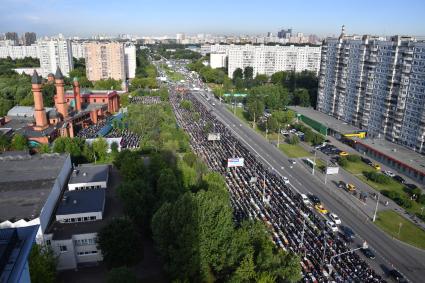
column 342, row 161
column 421, row 199
column 354, row 158
column 377, row 177
column 294, row 139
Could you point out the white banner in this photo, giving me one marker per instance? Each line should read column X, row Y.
column 330, row 170
column 235, row 162
column 214, row 137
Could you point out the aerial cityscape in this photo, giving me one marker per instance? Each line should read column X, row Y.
column 162, row 141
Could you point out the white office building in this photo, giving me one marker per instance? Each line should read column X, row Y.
column 130, row 61
column 54, row 53
column 376, row 84
column 270, row 59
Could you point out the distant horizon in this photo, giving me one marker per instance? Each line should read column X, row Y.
column 161, row 17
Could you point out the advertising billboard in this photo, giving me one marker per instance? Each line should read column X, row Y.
column 235, row 162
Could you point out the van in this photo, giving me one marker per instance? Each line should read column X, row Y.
column 305, row 199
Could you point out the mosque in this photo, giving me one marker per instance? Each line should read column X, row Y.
column 73, row 110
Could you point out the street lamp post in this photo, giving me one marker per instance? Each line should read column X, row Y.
column 278, row 137
column 376, row 208
column 326, row 172
column 314, row 162
column 399, row 228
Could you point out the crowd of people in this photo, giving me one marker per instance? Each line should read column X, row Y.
column 145, row 100
column 129, row 140
column 257, row 192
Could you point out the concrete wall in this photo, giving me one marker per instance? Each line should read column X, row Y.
column 49, row 206
column 97, row 214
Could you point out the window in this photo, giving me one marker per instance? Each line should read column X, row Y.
column 48, row 242
column 92, row 217
column 63, row 249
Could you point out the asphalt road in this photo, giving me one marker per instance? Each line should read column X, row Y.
column 389, row 252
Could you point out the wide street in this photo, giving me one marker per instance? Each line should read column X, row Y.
column 390, row 253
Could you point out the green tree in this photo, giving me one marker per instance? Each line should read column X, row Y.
column 108, row 84
column 294, row 140
column 260, row 79
column 100, row 148
column 121, row 243
column 43, row 148
column 121, row 274
column 19, row 142
column 255, row 107
column 248, row 73
column 237, row 74
column 42, row 264
column 279, row 77
column 4, row 142
column 302, row 97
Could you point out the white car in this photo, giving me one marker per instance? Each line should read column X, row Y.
column 285, row 180
column 389, row 174
column 305, row 199
column 332, row 226
column 335, row 218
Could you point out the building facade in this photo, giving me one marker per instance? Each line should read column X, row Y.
column 218, row 60
column 130, row 61
column 376, row 84
column 78, row 49
column 105, row 60
column 270, row 59
column 29, row 38
column 55, row 53
column 19, row 52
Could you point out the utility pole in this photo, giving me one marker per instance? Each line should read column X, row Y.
column 376, row 208
column 399, row 228
column 326, row 171
column 314, row 162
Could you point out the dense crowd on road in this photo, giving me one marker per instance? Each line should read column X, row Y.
column 257, row 192
column 91, row 131
column 145, row 100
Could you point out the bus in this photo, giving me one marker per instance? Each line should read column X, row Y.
column 309, row 162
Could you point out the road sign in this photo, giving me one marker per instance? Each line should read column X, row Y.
column 235, row 162
column 214, row 137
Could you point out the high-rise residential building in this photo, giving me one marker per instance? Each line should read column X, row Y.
column 29, row 38
column 130, row 60
column 376, row 84
column 218, row 60
column 78, row 49
column 12, row 36
column 55, row 53
column 19, row 52
column 270, row 59
column 105, row 60
column 180, row 37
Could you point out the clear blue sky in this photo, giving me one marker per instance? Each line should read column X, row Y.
column 160, row 17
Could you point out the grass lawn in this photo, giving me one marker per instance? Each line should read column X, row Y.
column 240, row 113
column 174, row 76
column 294, row 151
column 357, row 168
column 389, row 221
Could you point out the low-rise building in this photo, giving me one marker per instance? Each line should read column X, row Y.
column 88, row 176
column 30, row 187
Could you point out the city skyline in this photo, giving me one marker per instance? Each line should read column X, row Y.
column 148, row 18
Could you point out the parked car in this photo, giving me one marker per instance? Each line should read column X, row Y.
column 334, row 218
column 350, row 188
column 400, row 179
column 342, row 185
column 376, row 166
column 332, row 226
column 292, row 161
column 347, row 233
column 343, row 153
column 285, row 180
column 314, row 199
column 397, row 276
column 367, row 161
column 411, row 186
column 389, row 173
column 368, row 253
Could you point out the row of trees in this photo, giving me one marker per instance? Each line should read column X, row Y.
column 146, row 72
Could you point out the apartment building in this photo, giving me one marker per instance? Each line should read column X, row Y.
column 105, row 60
column 18, row 52
column 130, row 61
column 270, row 59
column 376, row 84
column 78, row 49
column 55, row 53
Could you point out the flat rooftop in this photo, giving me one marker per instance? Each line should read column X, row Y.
column 397, row 152
column 326, row 120
column 87, row 173
column 82, row 201
column 26, row 182
column 113, row 209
